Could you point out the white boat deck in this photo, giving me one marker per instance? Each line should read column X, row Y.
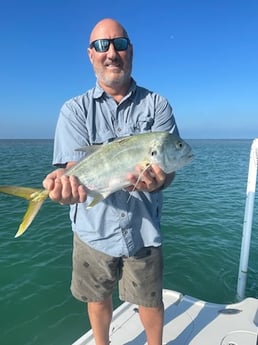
column 188, row 321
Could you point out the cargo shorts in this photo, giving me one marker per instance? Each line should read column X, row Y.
column 95, row 275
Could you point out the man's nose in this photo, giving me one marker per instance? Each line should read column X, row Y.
column 111, row 50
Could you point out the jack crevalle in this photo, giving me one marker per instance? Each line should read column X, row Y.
column 106, row 167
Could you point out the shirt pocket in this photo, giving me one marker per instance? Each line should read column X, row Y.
column 143, row 123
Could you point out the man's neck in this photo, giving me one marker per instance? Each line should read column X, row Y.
column 117, row 92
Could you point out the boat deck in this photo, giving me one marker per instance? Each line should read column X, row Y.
column 188, row 321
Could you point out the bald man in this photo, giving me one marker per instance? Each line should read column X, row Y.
column 119, row 239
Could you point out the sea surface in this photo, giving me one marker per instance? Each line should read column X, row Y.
column 202, row 225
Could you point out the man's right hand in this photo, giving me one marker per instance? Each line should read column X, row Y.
column 64, row 189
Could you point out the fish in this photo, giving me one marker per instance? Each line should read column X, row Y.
column 105, row 168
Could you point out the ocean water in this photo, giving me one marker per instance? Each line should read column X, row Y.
column 202, row 225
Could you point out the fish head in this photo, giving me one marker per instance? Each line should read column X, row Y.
column 170, row 152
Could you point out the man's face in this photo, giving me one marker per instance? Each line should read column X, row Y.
column 113, row 67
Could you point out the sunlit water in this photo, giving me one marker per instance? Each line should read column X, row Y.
column 202, row 225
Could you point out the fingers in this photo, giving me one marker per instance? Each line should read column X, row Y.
column 160, row 176
column 75, row 192
column 64, row 189
column 49, row 181
column 82, row 193
column 148, row 180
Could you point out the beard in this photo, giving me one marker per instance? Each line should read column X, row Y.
column 114, row 78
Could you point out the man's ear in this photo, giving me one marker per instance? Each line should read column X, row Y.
column 89, row 51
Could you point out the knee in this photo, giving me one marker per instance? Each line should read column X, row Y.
column 101, row 305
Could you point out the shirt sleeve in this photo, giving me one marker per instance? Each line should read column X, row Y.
column 70, row 134
column 164, row 119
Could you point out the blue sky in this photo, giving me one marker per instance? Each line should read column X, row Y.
column 201, row 55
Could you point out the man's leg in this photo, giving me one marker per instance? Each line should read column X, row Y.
column 152, row 320
column 141, row 284
column 100, row 315
column 93, row 280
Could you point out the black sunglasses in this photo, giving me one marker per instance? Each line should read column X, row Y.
column 102, row 45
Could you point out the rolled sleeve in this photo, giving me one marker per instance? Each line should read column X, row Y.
column 71, row 134
column 164, row 117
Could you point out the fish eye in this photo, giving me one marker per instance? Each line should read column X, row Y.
column 179, row 145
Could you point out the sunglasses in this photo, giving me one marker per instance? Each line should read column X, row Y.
column 102, row 45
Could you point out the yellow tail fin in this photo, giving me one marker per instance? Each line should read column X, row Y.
column 35, row 196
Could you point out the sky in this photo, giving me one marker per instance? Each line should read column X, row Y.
column 202, row 55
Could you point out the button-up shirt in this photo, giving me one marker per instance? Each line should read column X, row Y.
column 119, row 225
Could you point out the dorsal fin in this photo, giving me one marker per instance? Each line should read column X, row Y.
column 93, row 148
column 89, row 149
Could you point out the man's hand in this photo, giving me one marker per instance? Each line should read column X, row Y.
column 150, row 179
column 64, row 189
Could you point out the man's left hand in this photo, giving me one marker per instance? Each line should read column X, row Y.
column 150, row 179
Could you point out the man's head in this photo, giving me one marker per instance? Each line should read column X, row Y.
column 111, row 54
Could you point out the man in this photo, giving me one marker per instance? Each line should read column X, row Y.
column 118, row 239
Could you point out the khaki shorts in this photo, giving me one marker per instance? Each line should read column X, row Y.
column 95, row 275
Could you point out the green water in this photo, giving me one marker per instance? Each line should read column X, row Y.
column 202, row 226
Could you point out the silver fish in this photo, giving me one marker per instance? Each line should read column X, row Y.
column 106, row 168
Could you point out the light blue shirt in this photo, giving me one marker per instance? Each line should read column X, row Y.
column 121, row 224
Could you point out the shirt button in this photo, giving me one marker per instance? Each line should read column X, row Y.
column 119, row 129
column 122, row 214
